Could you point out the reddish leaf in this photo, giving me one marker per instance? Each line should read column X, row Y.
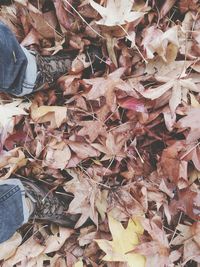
column 132, row 103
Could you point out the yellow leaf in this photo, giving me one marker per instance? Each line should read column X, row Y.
column 124, row 241
column 78, row 264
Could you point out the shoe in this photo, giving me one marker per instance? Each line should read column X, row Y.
column 48, row 206
column 50, row 68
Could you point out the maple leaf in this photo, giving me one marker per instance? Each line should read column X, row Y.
column 104, row 86
column 124, row 240
column 8, row 111
column 192, row 121
column 156, row 251
column 57, row 155
column 120, row 10
column 85, row 194
column 8, row 247
column 185, row 201
column 171, row 164
column 7, row 117
column 157, row 41
column 177, row 87
column 83, row 150
column 112, row 147
column 92, row 128
column 79, row 264
column 189, row 237
column 54, row 114
column 12, row 160
column 33, row 252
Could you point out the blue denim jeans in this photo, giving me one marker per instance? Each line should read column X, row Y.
column 13, row 209
column 18, row 69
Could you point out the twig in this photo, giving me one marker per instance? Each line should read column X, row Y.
column 192, row 148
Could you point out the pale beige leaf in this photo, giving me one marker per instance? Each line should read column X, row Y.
column 175, row 99
column 85, row 193
column 56, row 241
column 93, row 129
column 54, row 114
column 189, row 84
column 8, row 247
column 83, row 150
column 78, row 264
column 120, row 10
column 57, row 155
column 28, row 250
column 8, row 111
column 100, row 85
column 154, row 93
column 12, row 160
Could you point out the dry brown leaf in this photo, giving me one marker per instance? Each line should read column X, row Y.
column 57, row 155
column 83, row 150
column 179, row 89
column 56, row 241
column 105, row 87
column 12, row 160
column 92, row 129
column 56, row 115
column 156, row 251
column 85, row 192
column 191, row 120
column 113, row 147
column 189, row 236
column 156, row 41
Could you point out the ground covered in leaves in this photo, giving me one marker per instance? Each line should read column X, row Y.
column 120, row 133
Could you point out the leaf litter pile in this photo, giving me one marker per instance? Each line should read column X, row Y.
column 119, row 133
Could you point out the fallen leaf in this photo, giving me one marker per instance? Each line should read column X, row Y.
column 92, row 129
column 12, row 109
column 56, row 241
column 12, row 160
column 156, row 251
column 56, row 115
column 8, row 247
column 83, row 150
column 85, row 193
column 156, row 41
column 112, row 148
column 120, row 10
column 132, row 103
column 124, row 241
column 79, row 264
column 57, row 155
column 188, row 236
column 191, row 120
column 179, row 88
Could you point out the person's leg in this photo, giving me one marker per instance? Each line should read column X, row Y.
column 21, row 200
column 13, row 62
column 22, row 71
column 30, row 74
column 13, row 209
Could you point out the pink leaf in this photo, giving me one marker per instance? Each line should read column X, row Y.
column 132, row 103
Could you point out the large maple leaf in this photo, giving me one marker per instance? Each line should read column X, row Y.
column 116, row 12
column 85, row 193
column 174, row 80
column 124, row 240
